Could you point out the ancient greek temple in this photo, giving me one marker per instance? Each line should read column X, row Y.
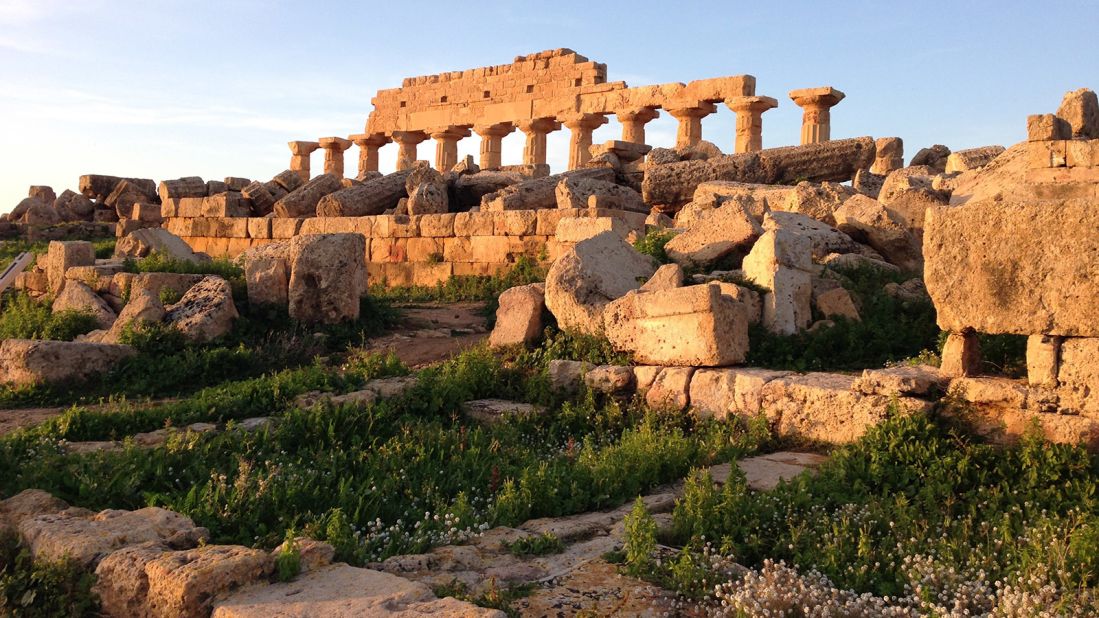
column 545, row 92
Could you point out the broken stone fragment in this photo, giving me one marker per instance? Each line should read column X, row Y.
column 519, row 316
column 76, row 296
column 189, row 186
column 327, row 277
column 933, row 157
column 206, row 312
column 302, row 201
column 372, row 197
column 63, row 255
column 539, row 192
column 575, row 192
column 267, row 274
column 1080, row 108
column 725, row 231
column 864, row 218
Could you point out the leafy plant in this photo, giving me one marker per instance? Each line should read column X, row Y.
column 288, row 558
column 652, row 244
column 22, row 317
column 640, row 539
column 538, row 545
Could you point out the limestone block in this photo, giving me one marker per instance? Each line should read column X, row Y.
column 933, row 157
column 919, row 380
column 454, row 250
column 1043, row 356
column 372, row 197
column 149, row 213
column 186, row 583
column 972, row 159
column 1080, row 108
column 205, row 312
column 288, row 180
column 818, row 201
column 610, row 379
column 565, row 376
column 889, row 156
column 837, row 302
column 864, row 218
column 25, row 361
column 262, row 200
column 141, row 243
column 670, row 389
column 721, row 393
column 423, row 249
column 437, row 226
column 474, row 224
column 302, row 202
column 1005, row 266
column 63, row 255
column 961, row 355
column 780, row 262
column 259, row 227
column 267, row 274
column 76, row 296
column 519, row 316
column 539, row 192
column 127, row 193
column 823, row 238
column 234, row 183
column 823, row 406
column 76, row 204
column 327, row 277
column 284, row 229
column 726, row 231
column 1078, row 374
column 516, row 223
column 468, row 190
column 214, row 187
column 427, row 192
column 689, row 326
column 751, row 299
column 573, row 192
column 667, row 277
column 226, row 204
column 576, row 229
column 1044, row 127
column 594, row 272
column 143, row 307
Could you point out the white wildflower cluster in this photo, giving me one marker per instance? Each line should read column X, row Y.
column 781, row 591
column 380, row 540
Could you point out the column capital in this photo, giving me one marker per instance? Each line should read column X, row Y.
column 408, row 137
column 754, row 105
column 637, row 114
column 449, row 132
column 689, row 109
column 334, row 143
column 500, row 129
column 364, row 140
column 822, row 97
column 538, row 125
column 582, row 121
column 302, row 148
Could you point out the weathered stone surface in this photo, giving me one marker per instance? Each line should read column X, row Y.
column 566, row 376
column 157, row 283
column 835, row 160
column 495, row 411
column 961, row 355
column 765, row 472
column 781, row 262
column 76, row 296
column 63, row 255
column 75, row 204
column 889, row 155
column 1043, row 357
column 25, row 361
column 690, row 326
column 669, row 388
column 591, row 274
column 610, row 379
column 725, row 231
column 730, row 392
column 933, row 157
column 189, row 186
column 125, row 194
column 757, row 199
column 427, row 192
column 262, row 200
column 864, row 218
column 580, row 192
column 867, row 183
column 468, row 190
column 372, row 197
column 907, row 193
column 342, row 591
column 854, row 261
column 917, row 380
column 1080, row 108
column 823, row 406
column 519, row 316
column 667, row 277
column 327, row 277
column 267, row 274
column 1046, row 127
column 144, row 307
column 1078, row 374
column 25, row 505
column 141, row 243
column 289, row 180
column 1015, row 267
column 837, row 303
column 817, row 200
column 98, row 187
column 971, row 159
column 539, row 192
column 302, row 202
column 751, row 299
column 205, row 312
column 87, row 538
column 823, row 238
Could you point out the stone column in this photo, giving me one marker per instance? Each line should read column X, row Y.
column 492, row 139
column 749, row 121
column 536, row 129
column 368, row 150
column 690, row 121
column 634, row 121
column 816, row 119
column 334, row 148
column 299, row 157
column 407, row 141
column 446, row 145
column 580, row 127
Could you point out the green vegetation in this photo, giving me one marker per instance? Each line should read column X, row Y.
column 538, row 545
column 288, row 558
column 44, row 589
column 104, row 248
column 640, row 539
column 652, row 244
column 889, row 330
column 466, row 287
column 22, row 317
column 492, row 597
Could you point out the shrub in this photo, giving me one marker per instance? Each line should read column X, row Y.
column 288, row 558
column 46, row 589
column 538, row 545
column 640, row 539
column 652, row 244
column 25, row 318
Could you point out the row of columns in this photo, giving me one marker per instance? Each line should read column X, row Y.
column 816, row 104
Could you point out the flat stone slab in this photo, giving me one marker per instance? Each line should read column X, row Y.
column 765, row 471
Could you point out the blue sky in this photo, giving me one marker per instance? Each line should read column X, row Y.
column 164, row 89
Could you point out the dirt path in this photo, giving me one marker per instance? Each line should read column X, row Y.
column 432, row 332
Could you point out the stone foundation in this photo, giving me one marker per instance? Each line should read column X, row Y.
column 419, row 249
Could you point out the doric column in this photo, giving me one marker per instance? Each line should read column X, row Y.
column 368, row 144
column 633, row 123
column 446, row 145
column 407, row 141
column 816, row 117
column 299, row 157
column 690, row 121
column 580, row 127
column 492, row 143
column 334, row 148
column 536, row 129
column 749, row 121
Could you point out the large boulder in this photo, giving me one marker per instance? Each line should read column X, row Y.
column 818, row 201
column 539, row 192
column 206, row 312
column 302, row 201
column 865, row 219
column 77, row 296
column 63, row 255
column 1080, row 108
column 756, row 199
column 75, row 205
column 723, row 232
column 1023, row 267
column 467, row 190
column 141, row 243
column 972, row 158
column 823, row 239
column 267, row 273
column 694, row 326
column 372, row 197
column 579, row 192
column 933, row 157
column 519, row 316
column 427, row 192
column 327, row 277
column 906, row 194
column 591, row 274
column 781, row 261
column 143, row 308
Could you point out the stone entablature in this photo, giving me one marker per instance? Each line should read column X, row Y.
column 418, row 249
